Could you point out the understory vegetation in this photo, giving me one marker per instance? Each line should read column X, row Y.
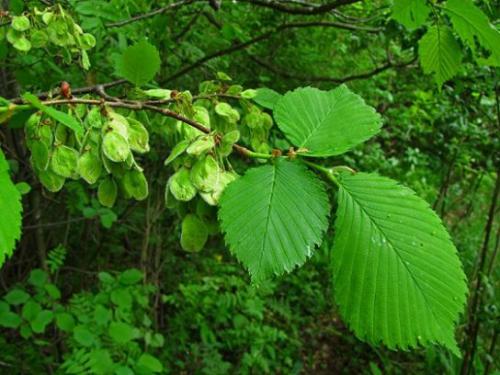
column 249, row 187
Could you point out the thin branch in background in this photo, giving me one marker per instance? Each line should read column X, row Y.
column 56, row 223
column 491, row 352
column 495, row 252
column 339, row 80
column 187, row 28
column 473, row 325
column 264, row 36
column 153, row 13
column 312, row 9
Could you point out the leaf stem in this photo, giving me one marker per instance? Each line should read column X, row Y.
column 257, row 155
column 328, row 172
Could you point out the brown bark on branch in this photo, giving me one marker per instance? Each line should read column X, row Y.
column 107, row 100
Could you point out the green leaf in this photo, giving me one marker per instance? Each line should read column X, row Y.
column 53, row 291
column 136, row 185
column 326, row 123
column 201, row 145
column 471, row 23
column 139, row 63
column 159, row 93
column 439, row 53
column 249, row 94
column 138, row 136
column 65, row 322
column 121, row 333
column 149, row 363
column 30, row 310
column 267, row 98
column 122, row 298
column 22, row 44
column 20, row 23
column 41, row 321
column 17, row 297
column 102, row 315
column 205, row 173
column 39, row 38
column 10, row 209
column 410, row 13
column 225, row 110
column 23, row 188
column 59, row 116
column 194, row 233
column 52, row 181
column 224, row 178
column 89, row 167
column 9, row 319
column 38, row 277
column 130, row 277
column 123, row 370
column 115, row 147
column 39, row 155
column 83, row 336
column 180, row 185
column 64, row 161
column 397, row 276
column 273, row 217
column 101, row 362
column 4, row 307
column 107, row 192
column 178, row 150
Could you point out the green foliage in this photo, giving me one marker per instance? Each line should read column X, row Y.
column 325, row 123
column 11, row 210
column 107, row 192
column 222, row 325
column 105, row 331
column 282, row 206
column 20, row 23
column 63, row 118
column 89, row 167
column 94, row 156
column 400, row 280
column 55, row 258
column 194, row 233
column 410, row 13
column 51, row 29
column 139, row 63
column 439, row 54
column 472, row 24
column 267, row 98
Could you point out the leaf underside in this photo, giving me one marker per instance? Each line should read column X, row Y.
column 410, row 13
column 397, row 277
column 139, row 63
column 273, row 217
column 440, row 53
column 267, row 98
column 10, row 212
column 327, row 123
column 472, row 25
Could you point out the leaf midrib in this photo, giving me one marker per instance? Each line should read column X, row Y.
column 381, row 231
column 320, row 124
column 268, row 216
column 472, row 25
